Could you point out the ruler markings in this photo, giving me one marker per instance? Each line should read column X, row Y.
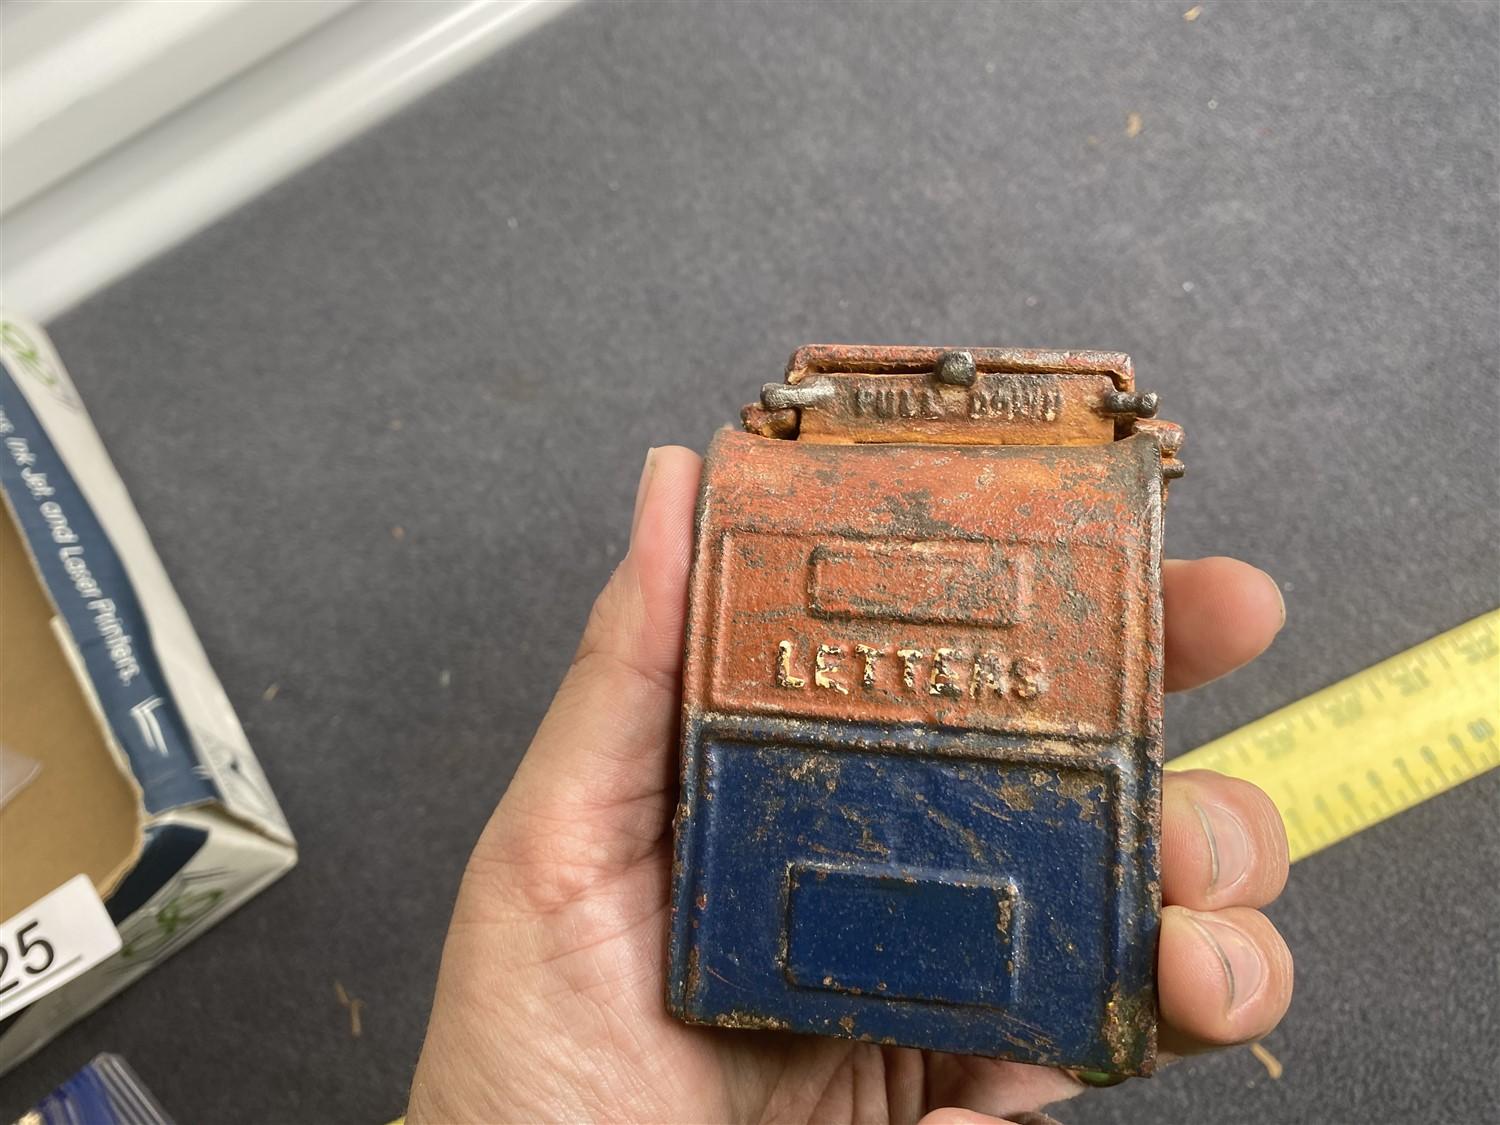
column 1355, row 753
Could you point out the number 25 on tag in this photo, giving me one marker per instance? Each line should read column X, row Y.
column 56, row 938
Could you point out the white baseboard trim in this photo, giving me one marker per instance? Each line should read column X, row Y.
column 101, row 174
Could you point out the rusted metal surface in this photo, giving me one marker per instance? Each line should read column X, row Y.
column 922, row 708
column 981, row 396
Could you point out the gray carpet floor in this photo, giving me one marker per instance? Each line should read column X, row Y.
column 470, row 323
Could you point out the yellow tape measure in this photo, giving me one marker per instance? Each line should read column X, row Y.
column 1385, row 739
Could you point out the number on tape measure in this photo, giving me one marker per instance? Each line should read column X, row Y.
column 55, row 939
column 1383, row 740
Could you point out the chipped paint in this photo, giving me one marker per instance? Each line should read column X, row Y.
column 922, row 708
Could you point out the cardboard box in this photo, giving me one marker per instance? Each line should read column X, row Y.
column 120, row 756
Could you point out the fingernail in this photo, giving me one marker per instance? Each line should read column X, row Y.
column 1228, row 845
column 1100, row 1078
column 648, row 470
column 1280, row 599
column 1243, row 966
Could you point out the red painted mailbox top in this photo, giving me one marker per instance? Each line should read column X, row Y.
column 984, row 556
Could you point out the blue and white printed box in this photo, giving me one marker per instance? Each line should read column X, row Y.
column 121, row 758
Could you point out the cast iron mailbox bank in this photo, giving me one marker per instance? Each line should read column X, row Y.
column 921, row 757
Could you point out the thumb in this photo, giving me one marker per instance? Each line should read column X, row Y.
column 602, row 767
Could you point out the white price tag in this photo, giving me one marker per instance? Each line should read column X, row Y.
column 55, row 939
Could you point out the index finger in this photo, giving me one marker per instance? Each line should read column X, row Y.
column 1220, row 614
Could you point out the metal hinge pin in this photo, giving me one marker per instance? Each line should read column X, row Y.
column 957, row 368
column 785, row 396
column 1142, row 404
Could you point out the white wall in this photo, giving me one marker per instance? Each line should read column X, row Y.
column 127, row 125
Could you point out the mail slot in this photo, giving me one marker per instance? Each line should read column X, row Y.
column 904, row 934
column 921, row 739
column 919, row 582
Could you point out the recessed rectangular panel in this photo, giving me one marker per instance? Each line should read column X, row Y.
column 820, row 627
column 989, row 904
column 919, row 582
column 913, row 935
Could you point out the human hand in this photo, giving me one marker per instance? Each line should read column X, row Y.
column 551, row 999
